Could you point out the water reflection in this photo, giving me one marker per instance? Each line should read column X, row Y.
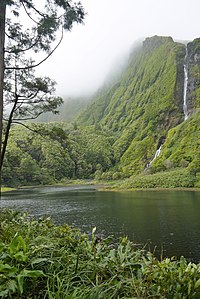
column 170, row 220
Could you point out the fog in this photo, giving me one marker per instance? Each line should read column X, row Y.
column 89, row 52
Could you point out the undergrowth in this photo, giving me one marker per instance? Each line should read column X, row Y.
column 41, row 260
column 178, row 178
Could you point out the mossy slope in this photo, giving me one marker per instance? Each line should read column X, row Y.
column 146, row 103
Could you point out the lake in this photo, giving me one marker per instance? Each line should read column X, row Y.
column 167, row 220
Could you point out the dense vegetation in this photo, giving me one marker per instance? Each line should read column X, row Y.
column 59, row 153
column 53, row 153
column 41, row 260
column 144, row 104
column 179, row 162
column 114, row 139
column 144, row 110
column 117, row 136
column 23, row 95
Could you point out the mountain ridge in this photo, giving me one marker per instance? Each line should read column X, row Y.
column 146, row 102
column 134, row 130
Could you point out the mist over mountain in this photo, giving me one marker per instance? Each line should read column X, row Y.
column 141, row 127
column 144, row 107
column 73, row 105
column 68, row 111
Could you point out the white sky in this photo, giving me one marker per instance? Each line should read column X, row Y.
column 89, row 51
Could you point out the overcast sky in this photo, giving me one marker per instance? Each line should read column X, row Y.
column 89, row 52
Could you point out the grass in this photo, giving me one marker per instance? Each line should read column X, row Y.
column 41, row 260
column 6, row 189
column 178, row 178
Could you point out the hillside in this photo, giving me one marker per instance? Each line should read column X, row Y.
column 144, row 126
column 144, row 108
column 67, row 112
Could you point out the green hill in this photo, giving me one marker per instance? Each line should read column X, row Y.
column 144, row 108
column 125, row 126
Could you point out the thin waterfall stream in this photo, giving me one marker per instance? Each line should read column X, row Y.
column 185, row 109
column 155, row 156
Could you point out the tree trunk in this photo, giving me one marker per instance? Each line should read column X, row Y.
column 2, row 68
column 7, row 132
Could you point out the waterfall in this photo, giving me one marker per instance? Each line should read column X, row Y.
column 185, row 110
column 155, row 156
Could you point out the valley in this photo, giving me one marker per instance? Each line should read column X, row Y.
column 142, row 130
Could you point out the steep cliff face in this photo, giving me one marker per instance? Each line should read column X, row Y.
column 147, row 101
column 144, row 104
column 181, row 149
column 193, row 92
column 154, row 75
column 182, row 145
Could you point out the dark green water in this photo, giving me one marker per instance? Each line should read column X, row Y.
column 169, row 220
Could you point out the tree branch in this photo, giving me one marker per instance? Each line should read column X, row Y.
column 39, row 63
column 28, row 118
column 28, row 14
column 27, row 127
column 33, row 7
column 29, row 97
column 22, row 50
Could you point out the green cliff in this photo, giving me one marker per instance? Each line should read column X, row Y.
column 143, row 109
column 123, row 126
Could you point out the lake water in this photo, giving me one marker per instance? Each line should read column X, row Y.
column 169, row 220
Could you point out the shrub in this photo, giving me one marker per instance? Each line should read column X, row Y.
column 169, row 179
column 41, row 260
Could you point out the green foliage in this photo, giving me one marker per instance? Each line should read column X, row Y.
column 181, row 147
column 46, row 261
column 127, row 122
column 44, row 23
column 56, row 153
column 15, row 273
column 169, row 179
column 143, row 104
column 26, row 95
column 194, row 75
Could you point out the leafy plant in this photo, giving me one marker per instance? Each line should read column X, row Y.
column 13, row 271
column 47, row 261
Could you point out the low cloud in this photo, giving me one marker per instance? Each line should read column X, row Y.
column 89, row 52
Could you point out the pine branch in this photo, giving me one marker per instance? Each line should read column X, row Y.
column 33, row 7
column 39, row 63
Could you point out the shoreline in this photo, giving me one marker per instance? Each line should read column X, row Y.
column 100, row 186
column 149, row 189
